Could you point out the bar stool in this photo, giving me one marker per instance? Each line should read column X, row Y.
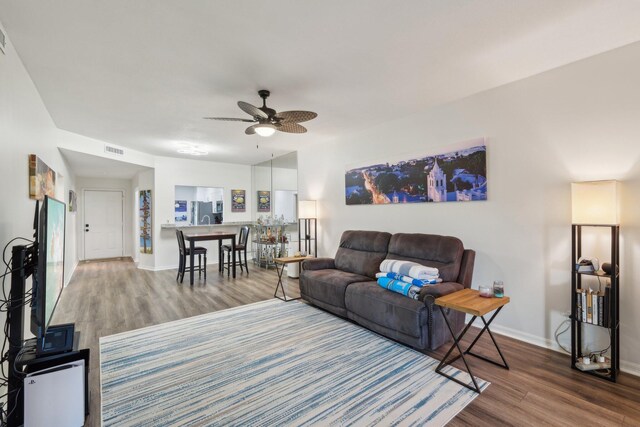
column 241, row 248
column 184, row 254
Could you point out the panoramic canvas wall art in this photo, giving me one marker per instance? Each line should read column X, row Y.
column 146, row 244
column 455, row 175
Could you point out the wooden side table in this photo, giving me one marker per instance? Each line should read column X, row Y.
column 470, row 302
column 282, row 262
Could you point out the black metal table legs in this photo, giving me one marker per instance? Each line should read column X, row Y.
column 281, row 286
column 456, row 344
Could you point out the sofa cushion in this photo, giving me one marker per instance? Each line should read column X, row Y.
column 442, row 252
column 389, row 309
column 328, row 285
column 361, row 252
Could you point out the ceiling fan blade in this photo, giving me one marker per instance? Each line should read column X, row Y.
column 296, row 116
column 230, row 119
column 252, row 111
column 291, row 128
column 250, row 130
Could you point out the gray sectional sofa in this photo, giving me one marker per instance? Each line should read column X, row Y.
column 346, row 286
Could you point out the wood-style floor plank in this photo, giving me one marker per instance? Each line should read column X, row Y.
column 109, row 297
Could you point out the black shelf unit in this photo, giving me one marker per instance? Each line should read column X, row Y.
column 614, row 302
column 308, row 229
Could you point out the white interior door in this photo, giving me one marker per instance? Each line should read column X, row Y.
column 103, row 224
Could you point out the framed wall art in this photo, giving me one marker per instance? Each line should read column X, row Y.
column 146, row 242
column 73, row 201
column 42, row 179
column 238, row 201
column 454, row 175
column 264, row 201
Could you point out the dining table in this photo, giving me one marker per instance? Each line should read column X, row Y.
column 212, row 235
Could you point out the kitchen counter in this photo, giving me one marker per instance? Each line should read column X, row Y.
column 173, row 226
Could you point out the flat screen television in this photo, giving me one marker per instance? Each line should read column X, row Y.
column 49, row 278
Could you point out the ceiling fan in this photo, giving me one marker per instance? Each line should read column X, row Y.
column 267, row 120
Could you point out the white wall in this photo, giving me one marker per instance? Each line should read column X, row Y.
column 579, row 122
column 26, row 128
column 124, row 185
column 73, row 141
column 170, row 172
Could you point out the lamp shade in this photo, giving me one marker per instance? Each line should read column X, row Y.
column 307, row 209
column 595, row 202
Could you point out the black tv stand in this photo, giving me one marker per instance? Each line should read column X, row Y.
column 56, row 343
column 58, row 339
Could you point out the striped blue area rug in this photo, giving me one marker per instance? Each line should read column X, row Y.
column 271, row 363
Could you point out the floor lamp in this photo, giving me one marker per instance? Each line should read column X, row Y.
column 595, row 204
column 307, row 227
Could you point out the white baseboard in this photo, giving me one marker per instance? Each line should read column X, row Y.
column 628, row 367
column 166, row 267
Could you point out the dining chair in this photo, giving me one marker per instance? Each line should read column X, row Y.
column 241, row 249
column 184, row 252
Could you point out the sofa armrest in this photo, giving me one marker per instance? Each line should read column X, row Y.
column 318, row 264
column 466, row 268
column 435, row 291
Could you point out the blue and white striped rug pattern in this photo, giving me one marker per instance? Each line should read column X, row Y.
column 267, row 364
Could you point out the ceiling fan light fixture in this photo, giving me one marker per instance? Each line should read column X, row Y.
column 267, row 120
column 265, row 129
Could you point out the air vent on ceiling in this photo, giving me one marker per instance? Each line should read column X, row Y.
column 113, row 150
column 3, row 41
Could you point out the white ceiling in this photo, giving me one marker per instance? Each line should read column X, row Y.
column 143, row 73
column 90, row 166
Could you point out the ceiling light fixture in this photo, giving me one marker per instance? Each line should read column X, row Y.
column 265, row 129
column 193, row 151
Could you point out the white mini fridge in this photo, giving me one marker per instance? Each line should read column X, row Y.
column 55, row 396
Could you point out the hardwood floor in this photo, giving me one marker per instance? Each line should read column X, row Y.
column 110, row 297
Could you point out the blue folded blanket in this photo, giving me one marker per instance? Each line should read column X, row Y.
column 413, row 281
column 404, row 288
column 408, row 268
